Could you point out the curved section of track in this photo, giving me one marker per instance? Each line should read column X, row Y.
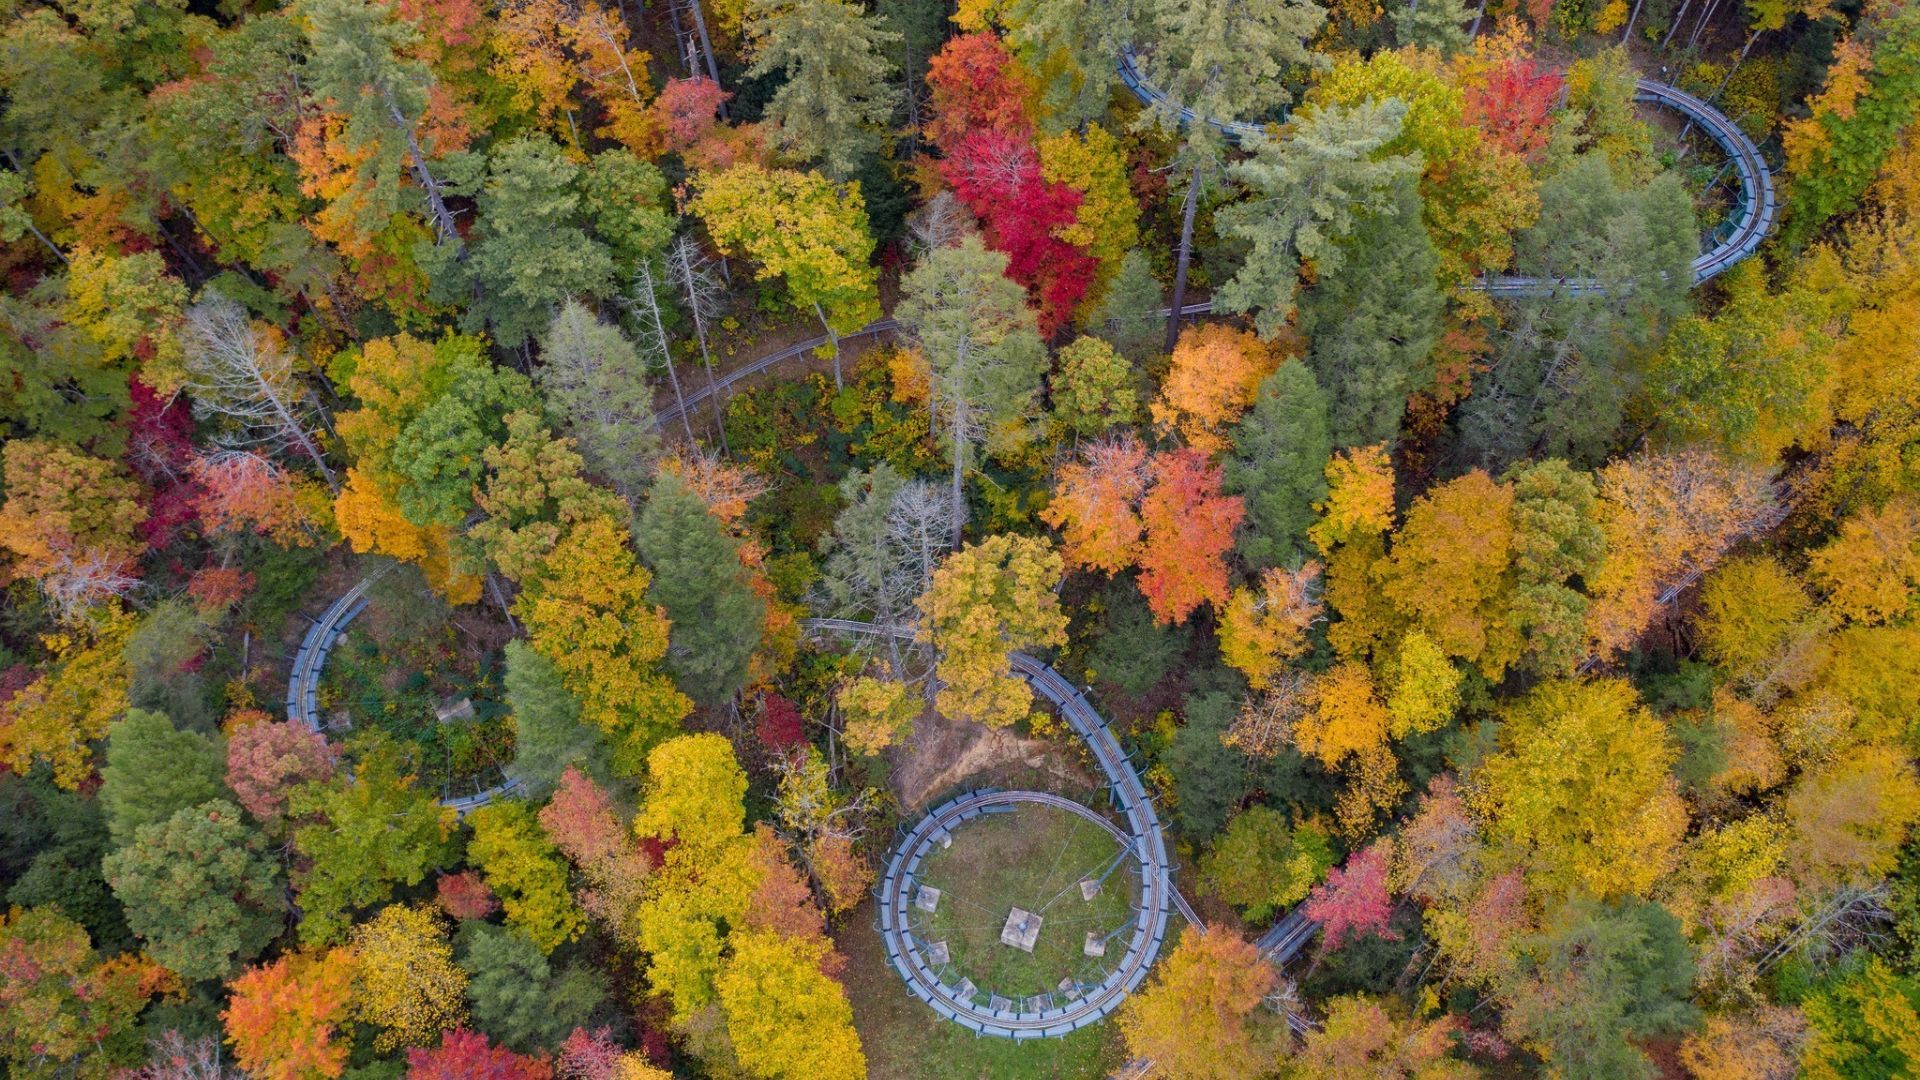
column 310, row 661
column 1144, row 834
column 1752, row 219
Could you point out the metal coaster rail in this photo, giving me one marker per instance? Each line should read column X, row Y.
column 1159, row 897
column 310, row 660
column 1754, row 217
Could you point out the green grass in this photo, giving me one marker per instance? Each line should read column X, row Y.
column 1034, row 859
column 906, row 1040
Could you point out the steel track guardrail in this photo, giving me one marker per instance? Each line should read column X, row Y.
column 1144, row 835
column 1755, row 217
column 310, row 662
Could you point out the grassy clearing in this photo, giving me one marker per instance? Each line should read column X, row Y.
column 1034, row 859
column 905, row 1040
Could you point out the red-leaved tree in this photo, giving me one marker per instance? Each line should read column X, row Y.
column 159, row 445
column 467, row 1055
column 976, row 85
column 779, row 727
column 997, row 175
column 1353, row 900
column 268, row 759
column 1515, row 105
column 465, row 895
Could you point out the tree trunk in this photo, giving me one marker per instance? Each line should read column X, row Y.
column 1186, row 255
column 442, row 217
column 718, row 404
column 673, row 380
column 833, row 339
column 1707, row 13
column 1746, row 49
column 42, row 237
column 1678, row 17
column 679, row 36
column 1474, row 30
column 292, row 424
column 959, row 480
column 1632, row 18
column 706, row 48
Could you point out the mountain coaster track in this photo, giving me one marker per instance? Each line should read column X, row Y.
column 1144, row 836
column 1739, row 237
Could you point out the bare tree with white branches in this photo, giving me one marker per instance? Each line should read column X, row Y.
column 882, row 554
column 692, row 274
column 242, row 372
column 644, row 306
column 77, row 581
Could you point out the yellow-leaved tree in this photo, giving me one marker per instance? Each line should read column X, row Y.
column 1212, row 379
column 1266, row 625
column 987, row 600
column 1583, row 782
column 1199, row 1019
column 786, row 1018
column 587, row 611
column 55, row 717
column 693, row 805
column 407, row 983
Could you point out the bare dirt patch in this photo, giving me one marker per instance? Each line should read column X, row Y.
column 943, row 753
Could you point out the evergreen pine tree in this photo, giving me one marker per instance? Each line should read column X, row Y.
column 699, row 580
column 1373, row 320
column 1278, row 465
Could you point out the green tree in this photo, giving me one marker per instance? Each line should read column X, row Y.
column 982, row 347
column 1862, row 1022
column 548, row 734
column 530, row 249
column 624, row 198
column 1557, row 542
column 153, row 770
column 360, row 57
column 1129, row 310
column 163, row 668
column 837, row 91
column 1310, row 192
column 516, row 995
column 1748, row 380
column 1226, row 60
column 1260, row 865
column 1279, row 465
column 595, row 385
column 1433, row 24
column 1373, row 319
column 526, row 871
column 698, row 578
column 1599, row 978
column 1834, row 154
column 370, row 833
column 1564, row 364
column 1094, row 389
column 200, row 889
column 440, row 454
column 1074, row 47
column 64, row 1011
